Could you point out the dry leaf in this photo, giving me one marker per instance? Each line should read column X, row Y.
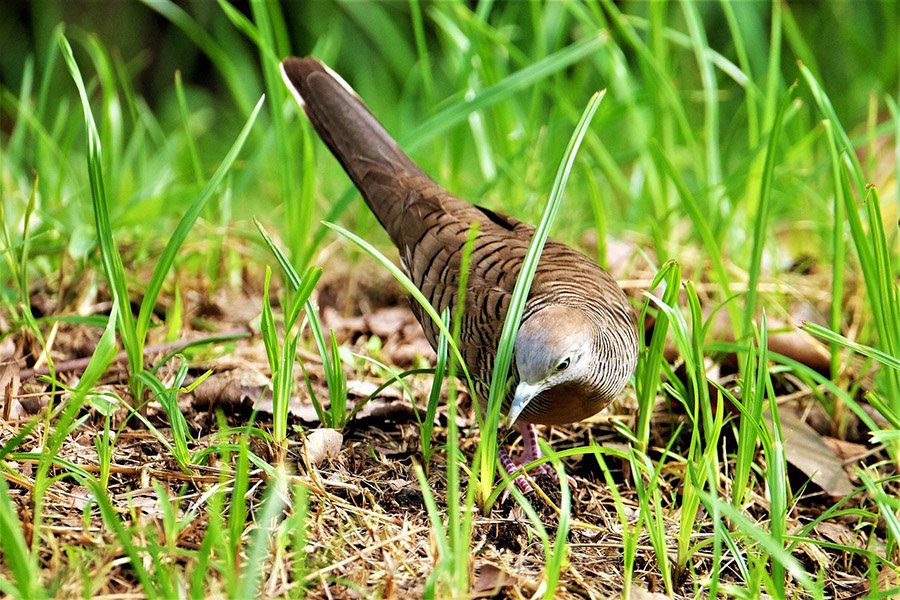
column 404, row 340
column 323, row 444
column 804, row 448
column 78, row 497
column 10, row 406
column 7, row 345
column 343, row 327
column 800, row 346
column 364, row 389
column 888, row 578
column 389, row 410
column 406, row 352
column 785, row 339
column 389, row 321
column 490, row 580
column 837, row 533
column 234, row 387
column 846, row 451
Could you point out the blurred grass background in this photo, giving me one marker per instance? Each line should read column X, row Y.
column 503, row 157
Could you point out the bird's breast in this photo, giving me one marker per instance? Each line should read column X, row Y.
column 566, row 403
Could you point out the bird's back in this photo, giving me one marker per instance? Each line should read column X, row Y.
column 429, row 226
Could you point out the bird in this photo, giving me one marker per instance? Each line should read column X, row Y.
column 577, row 343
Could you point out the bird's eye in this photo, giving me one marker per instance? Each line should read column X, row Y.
column 563, row 365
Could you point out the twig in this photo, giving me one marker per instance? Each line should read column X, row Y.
column 127, row 470
column 78, row 365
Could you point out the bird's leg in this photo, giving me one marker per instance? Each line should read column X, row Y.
column 532, row 450
column 510, row 467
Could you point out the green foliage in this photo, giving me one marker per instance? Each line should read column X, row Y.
column 506, row 345
column 133, row 332
column 715, row 145
column 651, row 361
column 19, row 559
column 426, row 425
column 283, row 354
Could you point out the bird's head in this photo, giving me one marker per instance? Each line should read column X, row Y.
column 557, row 359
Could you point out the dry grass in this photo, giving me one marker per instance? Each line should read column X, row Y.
column 368, row 531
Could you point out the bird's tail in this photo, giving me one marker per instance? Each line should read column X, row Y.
column 361, row 144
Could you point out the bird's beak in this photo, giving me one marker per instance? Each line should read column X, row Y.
column 525, row 393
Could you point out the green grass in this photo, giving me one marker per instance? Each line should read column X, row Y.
column 750, row 168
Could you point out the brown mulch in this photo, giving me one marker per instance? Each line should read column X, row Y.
column 367, row 527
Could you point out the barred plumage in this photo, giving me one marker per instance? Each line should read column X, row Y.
column 577, row 346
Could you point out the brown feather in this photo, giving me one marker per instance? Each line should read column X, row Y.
column 429, row 226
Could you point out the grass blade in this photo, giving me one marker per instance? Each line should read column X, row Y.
column 646, row 377
column 826, row 334
column 236, row 81
column 109, row 253
column 167, row 259
column 408, row 285
column 761, row 222
column 513, row 317
column 15, row 552
column 439, row 123
column 258, row 551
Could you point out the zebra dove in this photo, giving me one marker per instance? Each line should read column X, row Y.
column 577, row 344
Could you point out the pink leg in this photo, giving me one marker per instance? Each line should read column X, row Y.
column 532, row 451
column 510, row 467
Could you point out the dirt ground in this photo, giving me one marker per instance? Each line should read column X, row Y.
column 368, row 528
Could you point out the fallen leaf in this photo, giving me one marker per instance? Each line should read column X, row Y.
column 388, row 410
column 804, row 448
column 323, row 444
column 888, row 578
column 802, row 347
column 490, row 580
column 402, row 336
column 146, row 500
column 343, row 327
column 245, row 356
column 814, row 553
column 784, row 338
column 9, row 389
column 78, row 497
column 364, row 389
column 30, row 401
column 407, row 352
column 7, row 345
column 401, row 484
column 234, row 387
column 846, row 451
column 390, row 320
column 405, row 494
column 837, row 533
column 228, row 304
